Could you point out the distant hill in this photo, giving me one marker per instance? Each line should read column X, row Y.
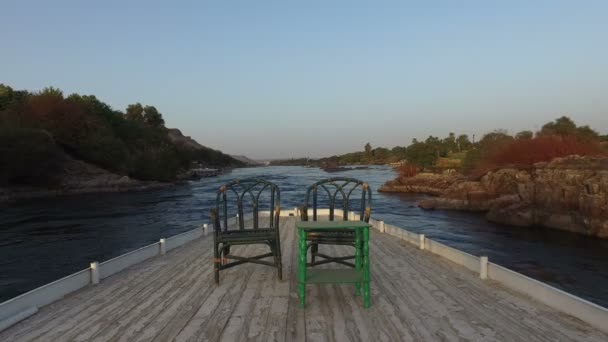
column 247, row 160
column 178, row 138
column 200, row 153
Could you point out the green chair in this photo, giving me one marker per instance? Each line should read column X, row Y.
column 235, row 197
column 347, row 194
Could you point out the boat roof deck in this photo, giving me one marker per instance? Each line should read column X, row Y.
column 416, row 296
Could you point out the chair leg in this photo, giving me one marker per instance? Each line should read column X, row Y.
column 216, row 262
column 314, row 249
column 273, row 250
column 278, row 258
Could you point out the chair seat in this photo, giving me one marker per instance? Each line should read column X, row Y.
column 260, row 234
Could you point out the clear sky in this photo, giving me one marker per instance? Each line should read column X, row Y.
column 272, row 79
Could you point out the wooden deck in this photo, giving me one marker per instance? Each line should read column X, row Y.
column 415, row 297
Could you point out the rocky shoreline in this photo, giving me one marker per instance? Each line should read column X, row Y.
column 79, row 177
column 567, row 193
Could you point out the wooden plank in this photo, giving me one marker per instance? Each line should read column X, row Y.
column 330, row 276
column 134, row 316
column 296, row 320
column 113, row 318
column 276, row 321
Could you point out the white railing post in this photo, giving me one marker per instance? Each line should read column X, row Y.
column 483, row 267
column 205, row 229
column 381, row 226
column 295, row 211
column 94, row 273
column 163, row 246
column 422, row 242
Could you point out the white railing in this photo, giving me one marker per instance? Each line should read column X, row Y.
column 27, row 304
column 580, row 308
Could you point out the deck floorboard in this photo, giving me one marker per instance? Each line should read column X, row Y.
column 416, row 296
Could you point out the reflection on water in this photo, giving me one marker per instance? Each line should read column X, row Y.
column 43, row 240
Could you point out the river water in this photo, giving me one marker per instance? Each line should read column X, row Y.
column 44, row 240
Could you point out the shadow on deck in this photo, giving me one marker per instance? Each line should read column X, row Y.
column 415, row 297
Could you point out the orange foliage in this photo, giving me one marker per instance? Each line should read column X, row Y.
column 526, row 152
column 407, row 170
column 68, row 121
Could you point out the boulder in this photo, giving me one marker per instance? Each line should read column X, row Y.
column 425, row 183
column 427, row 204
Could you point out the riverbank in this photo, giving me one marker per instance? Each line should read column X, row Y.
column 78, row 177
column 568, row 194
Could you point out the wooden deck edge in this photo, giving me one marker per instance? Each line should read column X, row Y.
column 19, row 308
column 591, row 313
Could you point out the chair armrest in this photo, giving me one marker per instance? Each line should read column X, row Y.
column 304, row 213
column 215, row 220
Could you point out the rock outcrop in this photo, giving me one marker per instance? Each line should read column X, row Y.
column 177, row 137
column 567, row 193
column 426, row 183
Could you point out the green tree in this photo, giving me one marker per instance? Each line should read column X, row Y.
column 28, row 157
column 52, row 92
column 398, row 153
column 495, row 139
column 463, row 143
column 381, row 155
column 152, row 117
column 421, row 154
column 585, row 132
column 437, row 145
column 564, row 126
column 560, row 126
column 135, row 112
column 368, row 152
column 524, row 135
column 6, row 96
column 449, row 143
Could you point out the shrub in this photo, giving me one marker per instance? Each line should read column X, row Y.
column 407, row 170
column 526, row 152
column 29, row 157
column 105, row 151
column 155, row 165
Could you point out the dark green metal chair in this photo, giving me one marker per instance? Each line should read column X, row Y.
column 235, row 197
column 348, row 194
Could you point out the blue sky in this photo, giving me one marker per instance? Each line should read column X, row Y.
column 272, row 79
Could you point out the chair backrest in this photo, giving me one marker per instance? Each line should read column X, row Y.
column 348, row 194
column 251, row 193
